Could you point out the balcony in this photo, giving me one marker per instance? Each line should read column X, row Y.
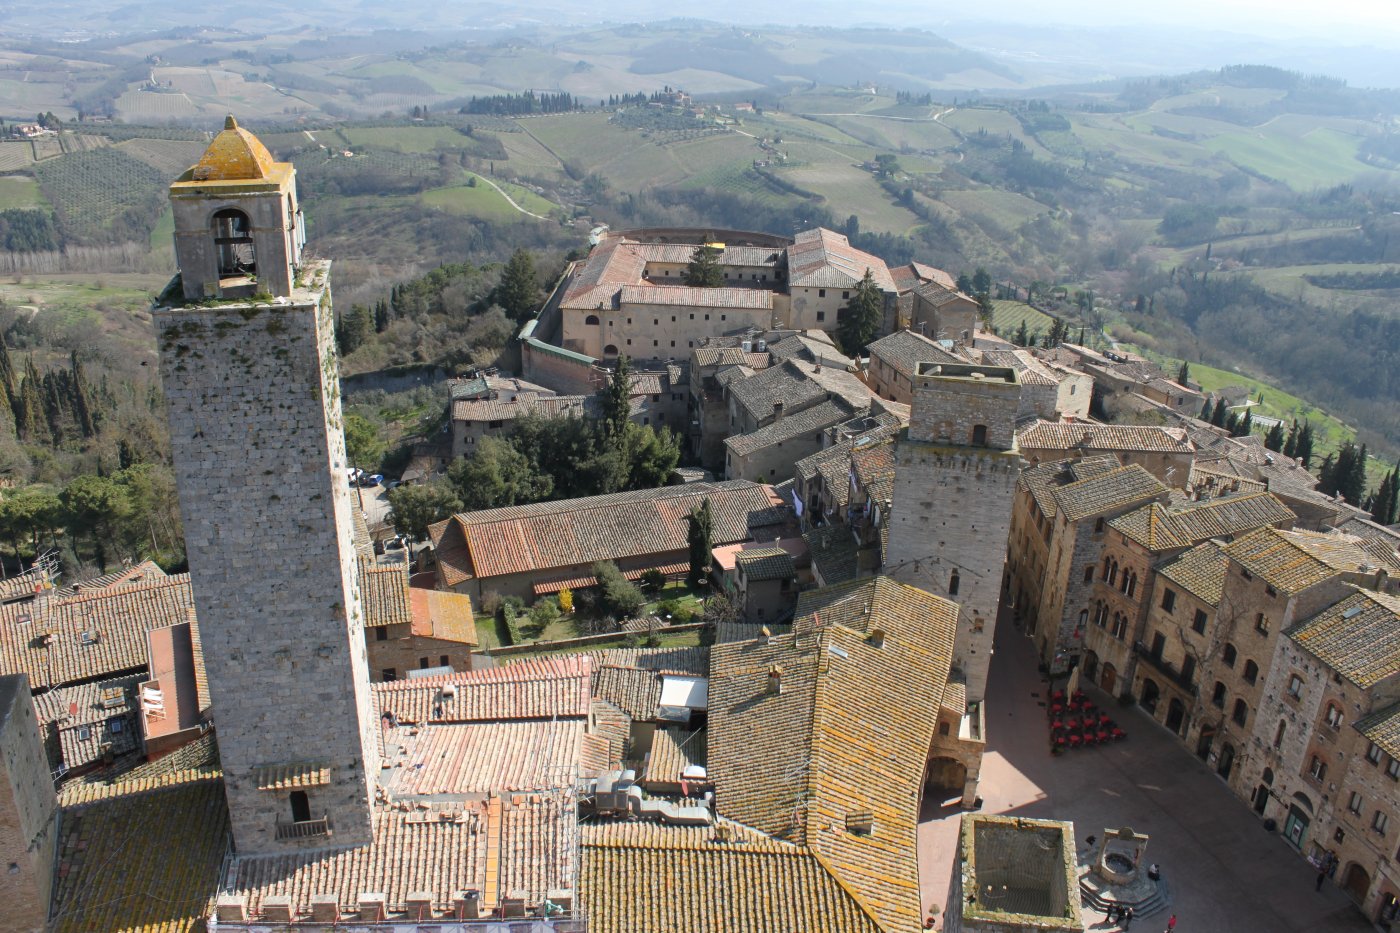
column 1165, row 668
column 304, row 829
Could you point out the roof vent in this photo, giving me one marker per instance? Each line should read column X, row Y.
column 775, row 679
column 449, row 691
column 1352, row 612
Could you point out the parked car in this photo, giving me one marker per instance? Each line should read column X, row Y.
column 371, row 479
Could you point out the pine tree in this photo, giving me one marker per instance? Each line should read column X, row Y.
column 863, row 316
column 519, row 290
column 703, row 270
column 354, row 329
column 1305, row 444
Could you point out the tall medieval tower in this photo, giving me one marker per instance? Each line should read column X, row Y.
column 955, row 478
column 252, row 390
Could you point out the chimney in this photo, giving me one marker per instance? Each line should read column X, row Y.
column 373, row 906
column 466, row 905
column 775, row 679
column 777, row 411
column 877, row 637
column 325, row 908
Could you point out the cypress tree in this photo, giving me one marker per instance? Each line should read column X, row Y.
column 1326, row 474
column 29, row 414
column 617, row 399
column 1273, row 440
column 1205, row 410
column 1183, row 375
column 1305, row 444
column 703, row 270
column 1218, row 416
column 82, row 405
column 1244, row 425
column 1290, row 446
column 519, row 289
column 701, row 527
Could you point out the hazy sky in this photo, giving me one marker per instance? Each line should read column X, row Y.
column 1352, row 20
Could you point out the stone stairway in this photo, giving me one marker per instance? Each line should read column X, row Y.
column 1146, row 898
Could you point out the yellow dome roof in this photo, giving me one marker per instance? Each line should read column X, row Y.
column 234, row 155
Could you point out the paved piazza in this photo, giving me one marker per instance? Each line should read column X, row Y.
column 1226, row 874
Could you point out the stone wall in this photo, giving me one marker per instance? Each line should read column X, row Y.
column 402, row 651
column 28, row 827
column 252, row 393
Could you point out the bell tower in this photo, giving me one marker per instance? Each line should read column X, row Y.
column 252, row 391
column 238, row 228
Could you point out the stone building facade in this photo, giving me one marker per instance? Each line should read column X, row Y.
column 955, row 476
column 28, row 810
column 252, row 387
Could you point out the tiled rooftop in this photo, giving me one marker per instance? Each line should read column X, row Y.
column 1295, row 560
column 904, row 349
column 573, row 532
column 546, row 406
column 1199, row 571
column 848, row 732
column 1159, row 528
column 140, row 858
column 539, row 688
column 833, row 550
column 1358, row 637
column 756, row 299
column 770, row 563
column 1383, row 728
column 812, row 420
column 76, row 722
column 1051, row 435
column 384, row 593
column 57, row 640
column 751, row 884
column 1115, row 489
column 822, row 258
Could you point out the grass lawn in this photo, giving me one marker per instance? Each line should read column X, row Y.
column 1008, row 315
column 479, row 201
column 406, row 138
column 669, row 640
column 21, row 191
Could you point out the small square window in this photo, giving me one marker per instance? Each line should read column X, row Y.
column 821, row 315
column 1261, row 624
column 1295, row 686
column 1168, row 600
column 1354, row 803
column 821, row 293
column 1198, row 624
column 1373, row 753
column 1379, row 822
column 1392, row 769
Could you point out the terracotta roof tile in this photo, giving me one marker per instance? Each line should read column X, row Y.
column 812, row 420
column 538, row 688
column 1159, row 528
column 574, row 532
column 1199, row 571
column 1115, row 489
column 904, row 349
column 847, row 733
column 768, row 563
column 1296, row 560
column 1383, row 728
column 824, row 258
column 384, row 593
column 1053, row 435
column 749, row 885
column 1358, row 637
column 672, row 751
column 140, row 859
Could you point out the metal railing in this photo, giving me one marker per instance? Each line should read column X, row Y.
column 1165, row 668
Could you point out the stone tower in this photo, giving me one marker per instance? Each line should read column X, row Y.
column 253, row 396
column 955, row 478
column 28, row 830
column 238, row 229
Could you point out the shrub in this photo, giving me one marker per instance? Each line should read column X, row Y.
column 654, row 579
column 617, row 596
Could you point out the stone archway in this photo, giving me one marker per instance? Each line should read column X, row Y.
column 1091, row 666
column 1356, row 881
column 1150, row 694
column 1176, row 716
column 945, row 778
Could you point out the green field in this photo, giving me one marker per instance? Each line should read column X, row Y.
column 1007, row 317
column 21, row 191
column 420, row 139
column 480, row 201
column 1006, row 209
column 1320, row 158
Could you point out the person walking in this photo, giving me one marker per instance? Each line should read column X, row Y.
column 1127, row 917
column 1171, row 924
column 1321, row 877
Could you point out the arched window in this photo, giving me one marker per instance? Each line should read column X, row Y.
column 1334, row 715
column 979, row 435
column 591, row 319
column 1251, row 671
column 953, row 583
column 301, row 807
column 1083, row 619
column 1228, row 656
column 233, row 243
column 610, row 350
column 1112, row 573
column 1107, row 563
column 1278, row 736
column 1130, row 584
column 1218, row 696
column 1241, row 712
column 1268, row 777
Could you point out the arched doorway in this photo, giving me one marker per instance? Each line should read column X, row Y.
column 1204, row 743
column 1091, row 666
column 1109, row 678
column 1227, row 761
column 1356, row 882
column 1176, row 716
column 944, row 778
column 233, row 243
column 1296, row 826
column 1261, row 798
column 1150, row 694
column 610, row 350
